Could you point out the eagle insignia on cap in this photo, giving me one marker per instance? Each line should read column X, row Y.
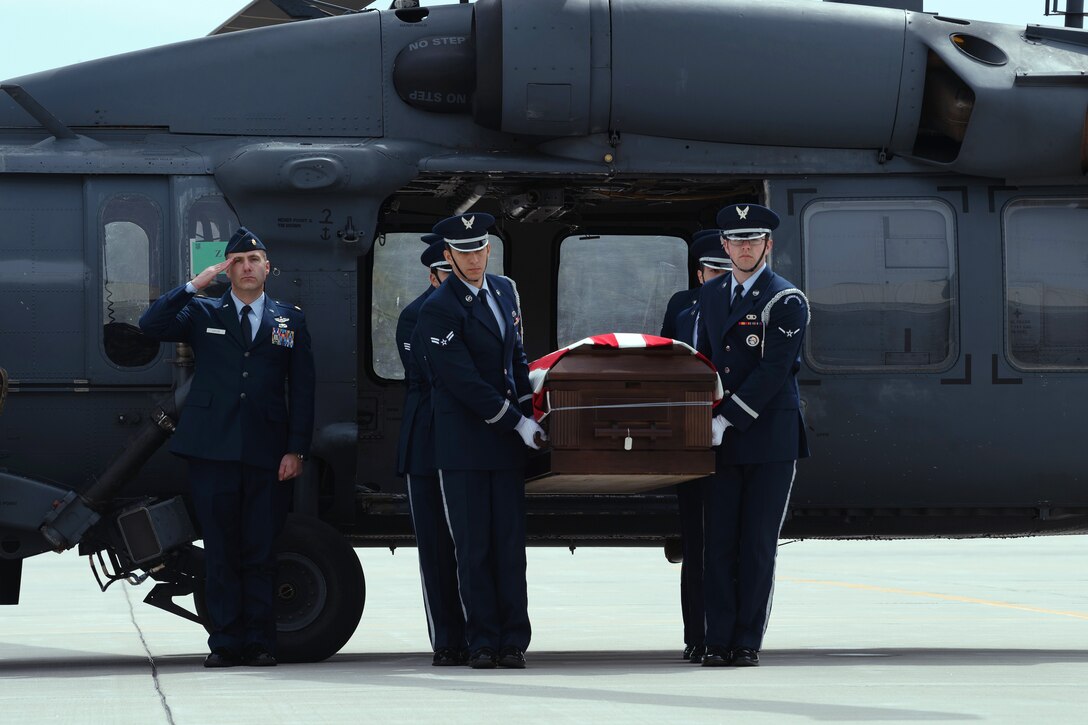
column 468, row 221
column 743, row 213
column 253, row 242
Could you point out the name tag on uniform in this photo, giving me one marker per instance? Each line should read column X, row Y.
column 283, row 338
column 216, row 331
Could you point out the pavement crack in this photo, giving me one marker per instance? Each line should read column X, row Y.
column 154, row 667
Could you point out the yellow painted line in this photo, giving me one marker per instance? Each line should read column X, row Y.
column 934, row 595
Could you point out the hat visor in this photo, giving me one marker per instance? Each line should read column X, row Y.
column 716, row 263
column 745, row 234
column 467, row 245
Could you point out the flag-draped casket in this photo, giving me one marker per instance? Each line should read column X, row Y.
column 624, row 413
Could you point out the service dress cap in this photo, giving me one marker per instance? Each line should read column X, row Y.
column 244, row 240
column 465, row 232
column 707, row 251
column 430, row 238
column 746, row 221
column 432, row 256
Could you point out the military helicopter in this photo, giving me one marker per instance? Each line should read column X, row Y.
column 930, row 173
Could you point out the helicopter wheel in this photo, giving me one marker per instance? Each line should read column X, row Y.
column 320, row 591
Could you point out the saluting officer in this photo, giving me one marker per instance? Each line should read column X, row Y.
column 711, row 262
column 245, row 428
column 751, row 324
column 482, row 399
column 415, row 459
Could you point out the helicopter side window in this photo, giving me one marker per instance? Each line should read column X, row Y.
column 397, row 279
column 1046, row 288
column 880, row 277
column 209, row 222
column 131, row 227
column 594, row 299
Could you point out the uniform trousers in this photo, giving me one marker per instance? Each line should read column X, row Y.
column 241, row 510
column 689, row 499
column 486, row 515
column 743, row 510
column 437, row 565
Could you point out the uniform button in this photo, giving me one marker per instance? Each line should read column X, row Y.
column 727, row 393
column 727, row 348
column 725, row 370
column 246, row 354
column 245, row 375
column 509, row 392
column 504, row 371
column 243, row 396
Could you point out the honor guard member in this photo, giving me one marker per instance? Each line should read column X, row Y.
column 482, row 422
column 685, row 298
column 415, row 459
column 245, row 428
column 711, row 262
column 751, row 324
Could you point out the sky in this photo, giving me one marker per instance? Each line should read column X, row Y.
column 41, row 35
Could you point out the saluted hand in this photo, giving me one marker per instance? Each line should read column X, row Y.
column 206, row 277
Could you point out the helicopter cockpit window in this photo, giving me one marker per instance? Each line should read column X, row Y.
column 397, row 279
column 595, row 297
column 1046, row 285
column 131, row 226
column 880, row 277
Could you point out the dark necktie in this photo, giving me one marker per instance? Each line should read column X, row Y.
column 247, row 328
column 738, row 295
column 491, row 313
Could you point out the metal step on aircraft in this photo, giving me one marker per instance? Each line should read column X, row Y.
column 930, row 172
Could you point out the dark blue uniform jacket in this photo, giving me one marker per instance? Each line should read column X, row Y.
column 250, row 403
column 678, row 302
column 415, row 449
column 480, row 385
column 757, row 353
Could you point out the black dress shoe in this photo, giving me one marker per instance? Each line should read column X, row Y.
column 258, row 657
column 745, row 657
column 697, row 654
column 687, row 651
column 512, row 657
column 482, row 659
column 221, row 657
column 717, row 657
column 447, row 657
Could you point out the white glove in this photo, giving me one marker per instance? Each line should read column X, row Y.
column 529, row 429
column 717, row 430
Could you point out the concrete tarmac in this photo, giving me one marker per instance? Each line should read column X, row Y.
column 903, row 631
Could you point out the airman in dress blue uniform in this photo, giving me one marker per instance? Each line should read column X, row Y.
column 245, row 428
column 751, row 324
column 711, row 262
column 415, row 459
column 471, row 327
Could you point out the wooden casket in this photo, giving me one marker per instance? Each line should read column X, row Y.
column 625, row 420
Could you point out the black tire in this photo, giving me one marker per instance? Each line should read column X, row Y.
column 320, row 591
column 674, row 550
